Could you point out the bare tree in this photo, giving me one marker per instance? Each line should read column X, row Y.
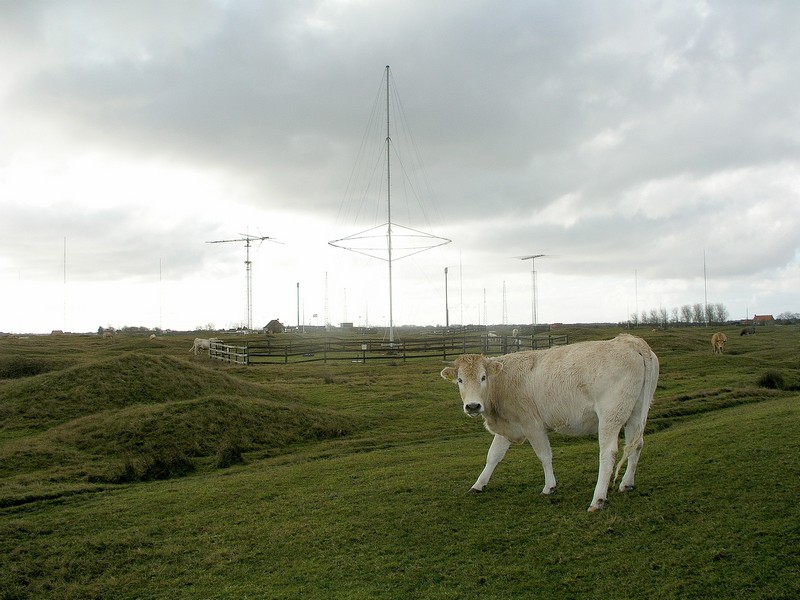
column 686, row 314
column 720, row 313
column 710, row 313
column 697, row 313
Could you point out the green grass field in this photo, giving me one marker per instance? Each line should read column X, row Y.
column 132, row 469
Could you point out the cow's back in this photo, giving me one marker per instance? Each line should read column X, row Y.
column 562, row 387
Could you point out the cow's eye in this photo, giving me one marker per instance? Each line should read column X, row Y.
column 460, row 380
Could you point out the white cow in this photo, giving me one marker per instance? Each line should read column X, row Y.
column 203, row 344
column 200, row 344
column 580, row 389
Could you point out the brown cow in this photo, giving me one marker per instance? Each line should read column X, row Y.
column 718, row 342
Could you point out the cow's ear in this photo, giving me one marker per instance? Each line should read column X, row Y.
column 494, row 367
column 449, row 373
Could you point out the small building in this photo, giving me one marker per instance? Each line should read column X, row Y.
column 763, row 320
column 274, row 326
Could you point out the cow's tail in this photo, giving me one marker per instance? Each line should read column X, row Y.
column 649, row 383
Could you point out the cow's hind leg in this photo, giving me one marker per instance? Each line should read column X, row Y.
column 607, row 439
column 634, row 432
column 496, row 453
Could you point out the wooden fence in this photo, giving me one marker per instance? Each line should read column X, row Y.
column 229, row 353
column 284, row 350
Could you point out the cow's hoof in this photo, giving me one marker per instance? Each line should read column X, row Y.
column 626, row 488
column 599, row 505
column 547, row 491
column 474, row 491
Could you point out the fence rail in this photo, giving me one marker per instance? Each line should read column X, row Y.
column 284, row 350
column 229, row 353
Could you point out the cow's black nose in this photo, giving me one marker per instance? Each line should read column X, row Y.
column 473, row 407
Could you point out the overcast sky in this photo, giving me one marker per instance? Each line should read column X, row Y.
column 632, row 142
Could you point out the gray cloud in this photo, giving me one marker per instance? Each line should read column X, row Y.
column 616, row 136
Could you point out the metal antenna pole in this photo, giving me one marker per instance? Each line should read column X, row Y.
column 248, row 266
column 446, row 303
column 389, row 209
column 411, row 241
column 533, row 258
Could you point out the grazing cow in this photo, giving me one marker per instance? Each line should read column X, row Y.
column 108, row 335
column 748, row 331
column 200, row 344
column 718, row 342
column 581, row 389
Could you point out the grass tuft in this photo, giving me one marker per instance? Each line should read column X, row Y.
column 772, row 380
column 152, row 467
column 229, row 453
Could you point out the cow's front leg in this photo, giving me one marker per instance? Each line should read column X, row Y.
column 541, row 445
column 496, row 453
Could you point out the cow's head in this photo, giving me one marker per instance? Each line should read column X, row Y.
column 472, row 372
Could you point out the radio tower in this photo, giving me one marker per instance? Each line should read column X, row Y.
column 381, row 242
column 248, row 267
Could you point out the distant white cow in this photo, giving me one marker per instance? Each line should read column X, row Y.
column 200, row 344
column 203, row 344
column 108, row 335
column 580, row 389
column 718, row 342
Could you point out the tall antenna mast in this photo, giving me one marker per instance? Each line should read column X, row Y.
column 248, row 265
column 389, row 209
column 326, row 316
column 534, row 295
column 363, row 242
column 65, row 284
column 705, row 290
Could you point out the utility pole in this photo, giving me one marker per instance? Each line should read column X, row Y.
column 446, row 305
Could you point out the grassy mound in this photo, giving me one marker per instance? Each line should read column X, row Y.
column 57, row 397
column 137, row 418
